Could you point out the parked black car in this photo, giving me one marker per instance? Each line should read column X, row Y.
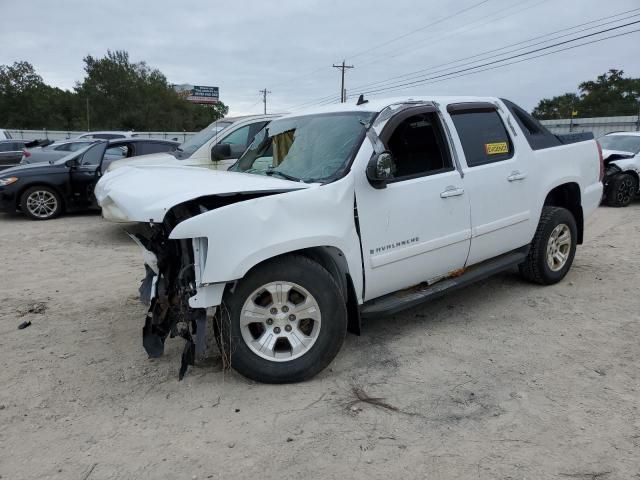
column 44, row 190
column 11, row 152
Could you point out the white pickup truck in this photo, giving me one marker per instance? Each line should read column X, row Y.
column 346, row 212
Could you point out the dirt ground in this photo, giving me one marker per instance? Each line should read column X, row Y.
column 502, row 380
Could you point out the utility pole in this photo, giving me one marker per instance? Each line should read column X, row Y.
column 264, row 98
column 343, row 67
column 88, row 123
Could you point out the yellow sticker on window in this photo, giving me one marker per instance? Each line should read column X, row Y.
column 496, row 148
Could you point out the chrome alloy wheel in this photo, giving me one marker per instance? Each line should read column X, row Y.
column 558, row 247
column 42, row 204
column 280, row 321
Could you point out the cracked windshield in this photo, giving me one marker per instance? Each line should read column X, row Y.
column 310, row 148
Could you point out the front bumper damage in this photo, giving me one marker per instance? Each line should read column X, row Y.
column 179, row 303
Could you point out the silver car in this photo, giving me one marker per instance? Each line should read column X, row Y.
column 54, row 151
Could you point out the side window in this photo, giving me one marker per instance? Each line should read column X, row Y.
column 418, row 148
column 239, row 137
column 5, row 147
column 255, row 128
column 93, row 155
column 145, row 148
column 116, row 152
column 483, row 136
column 65, row 147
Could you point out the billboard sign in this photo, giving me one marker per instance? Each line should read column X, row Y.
column 198, row 93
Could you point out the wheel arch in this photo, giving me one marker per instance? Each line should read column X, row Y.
column 333, row 260
column 567, row 195
column 40, row 183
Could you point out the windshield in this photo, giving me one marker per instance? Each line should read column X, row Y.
column 75, row 154
column 624, row 143
column 311, row 148
column 194, row 143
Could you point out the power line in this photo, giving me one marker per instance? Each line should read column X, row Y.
column 429, row 25
column 322, row 100
column 342, row 67
column 519, row 61
column 508, row 58
column 463, row 28
column 483, row 54
column 363, row 52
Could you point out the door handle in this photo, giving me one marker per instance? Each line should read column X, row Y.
column 516, row 175
column 452, row 191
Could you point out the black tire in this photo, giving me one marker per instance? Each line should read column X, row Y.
column 536, row 268
column 621, row 190
column 53, row 200
column 319, row 283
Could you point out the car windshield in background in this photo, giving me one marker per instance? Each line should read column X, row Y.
column 623, row 143
column 310, row 148
column 189, row 147
column 75, row 154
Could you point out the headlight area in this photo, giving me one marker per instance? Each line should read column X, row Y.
column 8, row 181
column 178, row 296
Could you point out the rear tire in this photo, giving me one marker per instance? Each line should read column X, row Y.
column 553, row 247
column 41, row 203
column 284, row 322
column 621, row 190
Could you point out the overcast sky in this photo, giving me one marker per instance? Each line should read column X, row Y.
column 289, row 46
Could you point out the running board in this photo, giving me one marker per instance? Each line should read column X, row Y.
column 411, row 297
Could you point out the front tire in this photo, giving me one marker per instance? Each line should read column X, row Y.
column 41, row 203
column 621, row 190
column 284, row 322
column 553, row 247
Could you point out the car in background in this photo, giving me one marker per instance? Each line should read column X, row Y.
column 5, row 135
column 11, row 152
column 106, row 135
column 621, row 153
column 52, row 151
column 129, row 147
column 217, row 147
column 44, row 190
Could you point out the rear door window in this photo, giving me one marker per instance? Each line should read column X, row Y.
column 483, row 136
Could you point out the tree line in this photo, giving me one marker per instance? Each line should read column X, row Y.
column 116, row 94
column 610, row 94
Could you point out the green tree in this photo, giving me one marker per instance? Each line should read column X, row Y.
column 609, row 95
column 127, row 95
column 121, row 94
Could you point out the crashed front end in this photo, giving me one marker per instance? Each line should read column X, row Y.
column 170, row 289
column 154, row 202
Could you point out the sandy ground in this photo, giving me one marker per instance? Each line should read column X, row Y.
column 503, row 380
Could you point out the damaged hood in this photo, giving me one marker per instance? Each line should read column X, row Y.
column 146, row 193
column 616, row 154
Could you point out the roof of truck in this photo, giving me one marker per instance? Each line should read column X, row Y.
column 379, row 104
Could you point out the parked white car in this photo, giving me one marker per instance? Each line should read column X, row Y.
column 104, row 135
column 621, row 151
column 217, row 147
column 349, row 211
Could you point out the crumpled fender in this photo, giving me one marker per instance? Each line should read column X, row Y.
column 243, row 234
column 626, row 164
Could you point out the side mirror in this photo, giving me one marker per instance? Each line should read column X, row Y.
column 380, row 169
column 71, row 163
column 221, row 151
